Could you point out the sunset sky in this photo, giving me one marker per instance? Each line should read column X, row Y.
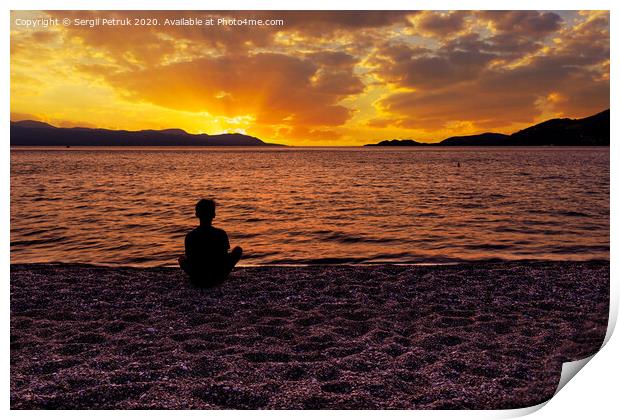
column 322, row 78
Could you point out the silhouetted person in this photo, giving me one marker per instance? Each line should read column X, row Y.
column 207, row 260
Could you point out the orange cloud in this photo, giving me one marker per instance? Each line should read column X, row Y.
column 274, row 88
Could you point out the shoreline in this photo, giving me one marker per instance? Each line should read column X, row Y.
column 321, row 264
column 476, row 335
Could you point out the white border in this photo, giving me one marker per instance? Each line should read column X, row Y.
column 592, row 394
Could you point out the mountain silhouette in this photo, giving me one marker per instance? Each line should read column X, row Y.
column 36, row 133
column 398, row 143
column 589, row 131
column 484, row 139
column 33, row 124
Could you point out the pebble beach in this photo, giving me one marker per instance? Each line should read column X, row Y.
column 467, row 336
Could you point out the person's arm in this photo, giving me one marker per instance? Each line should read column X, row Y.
column 188, row 246
column 226, row 242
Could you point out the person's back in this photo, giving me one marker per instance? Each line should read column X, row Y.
column 206, row 244
column 206, row 259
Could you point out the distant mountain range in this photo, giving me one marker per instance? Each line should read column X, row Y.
column 589, row 131
column 36, row 133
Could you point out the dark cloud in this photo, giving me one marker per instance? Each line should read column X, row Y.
column 344, row 19
column 142, row 41
column 441, row 24
column 523, row 22
column 337, row 59
column 337, row 82
column 422, row 68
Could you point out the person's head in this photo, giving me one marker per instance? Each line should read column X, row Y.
column 205, row 210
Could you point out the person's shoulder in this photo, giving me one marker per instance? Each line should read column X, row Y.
column 192, row 232
column 218, row 231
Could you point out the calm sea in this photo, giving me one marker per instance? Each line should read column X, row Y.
column 118, row 206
